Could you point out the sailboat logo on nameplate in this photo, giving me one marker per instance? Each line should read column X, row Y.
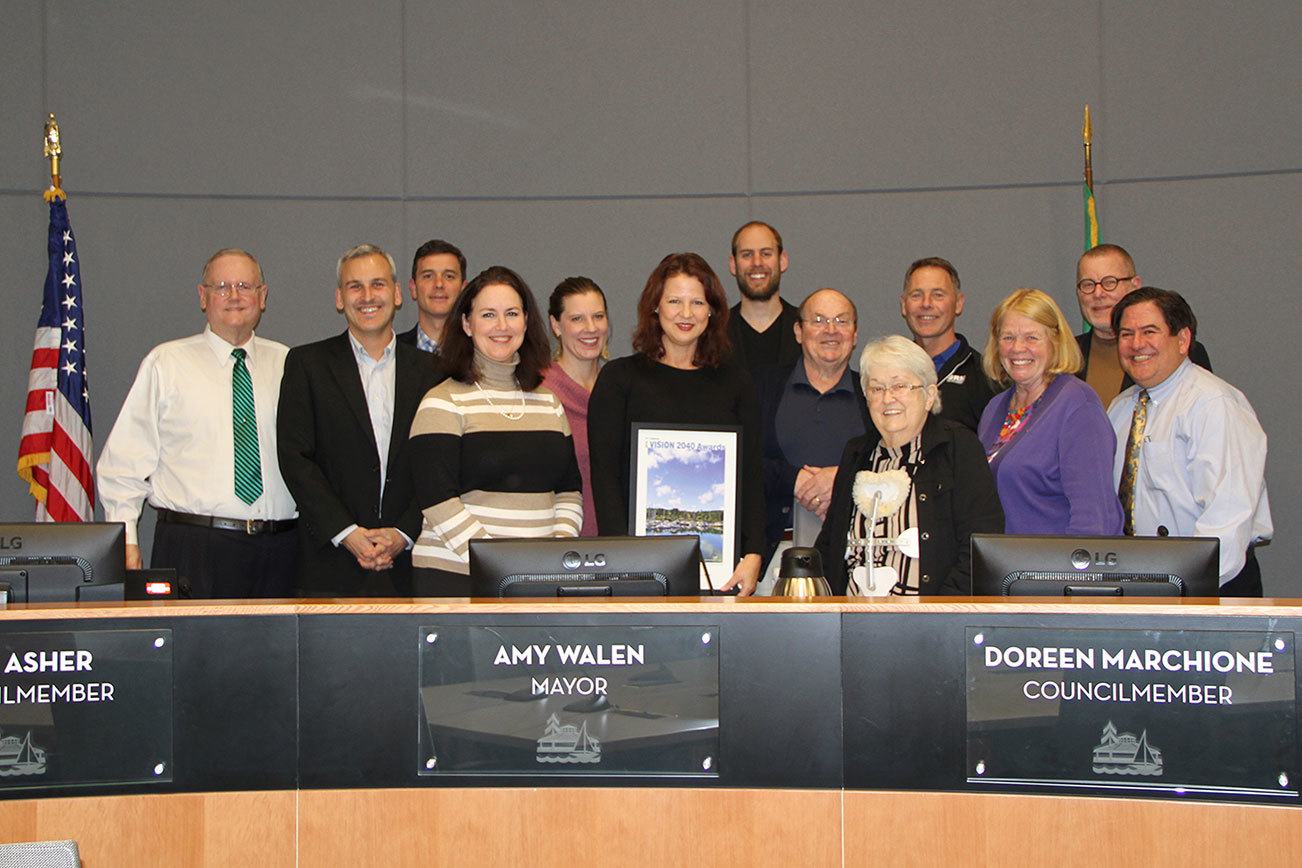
column 567, row 744
column 1124, row 754
column 18, row 756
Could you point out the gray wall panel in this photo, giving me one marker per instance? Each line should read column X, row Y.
column 563, row 138
column 1204, row 87
column 1230, row 246
column 577, row 98
column 997, row 239
column 901, row 94
column 20, row 94
column 235, row 98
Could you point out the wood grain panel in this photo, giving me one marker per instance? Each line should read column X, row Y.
column 200, row 830
column 893, row 828
column 567, row 827
column 1275, row 608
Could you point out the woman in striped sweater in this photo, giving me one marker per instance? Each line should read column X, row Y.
column 491, row 450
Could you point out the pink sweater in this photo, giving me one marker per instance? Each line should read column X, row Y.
column 574, row 398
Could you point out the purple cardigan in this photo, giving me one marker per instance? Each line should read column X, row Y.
column 1055, row 475
column 574, row 398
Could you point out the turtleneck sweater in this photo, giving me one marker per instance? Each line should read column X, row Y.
column 491, row 460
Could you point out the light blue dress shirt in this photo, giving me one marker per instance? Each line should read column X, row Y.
column 1202, row 463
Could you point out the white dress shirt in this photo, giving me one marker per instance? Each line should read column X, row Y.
column 1202, row 463
column 173, row 441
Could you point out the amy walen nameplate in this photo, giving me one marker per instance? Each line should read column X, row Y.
column 85, row 707
column 1204, row 712
column 566, row 700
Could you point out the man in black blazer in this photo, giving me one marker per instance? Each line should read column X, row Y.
column 438, row 273
column 1105, row 274
column 346, row 405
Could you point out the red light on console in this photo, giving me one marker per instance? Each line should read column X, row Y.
column 158, row 589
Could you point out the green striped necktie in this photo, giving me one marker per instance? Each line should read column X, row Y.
column 248, row 461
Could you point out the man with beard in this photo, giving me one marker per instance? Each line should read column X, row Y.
column 761, row 327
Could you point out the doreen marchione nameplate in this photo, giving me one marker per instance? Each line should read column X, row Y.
column 1206, row 712
column 85, row 707
column 569, row 700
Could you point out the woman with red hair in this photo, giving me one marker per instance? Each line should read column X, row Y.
column 680, row 374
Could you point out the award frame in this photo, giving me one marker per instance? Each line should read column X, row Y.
column 680, row 477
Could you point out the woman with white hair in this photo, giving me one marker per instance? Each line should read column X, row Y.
column 909, row 494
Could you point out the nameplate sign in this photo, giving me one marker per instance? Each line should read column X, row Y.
column 569, row 700
column 1160, row 711
column 85, row 707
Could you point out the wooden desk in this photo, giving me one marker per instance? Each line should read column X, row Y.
column 790, row 792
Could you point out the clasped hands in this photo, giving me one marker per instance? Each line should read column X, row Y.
column 376, row 547
column 814, row 488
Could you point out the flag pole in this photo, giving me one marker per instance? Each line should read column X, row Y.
column 1091, row 208
column 53, row 151
column 1087, row 136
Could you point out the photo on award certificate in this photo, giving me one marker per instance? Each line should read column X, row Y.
column 684, row 481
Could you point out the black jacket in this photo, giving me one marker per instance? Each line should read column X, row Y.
column 956, row 498
column 329, row 459
column 1197, row 355
column 964, row 388
column 780, row 474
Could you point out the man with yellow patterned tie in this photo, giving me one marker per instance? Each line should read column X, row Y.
column 1191, row 455
column 196, row 438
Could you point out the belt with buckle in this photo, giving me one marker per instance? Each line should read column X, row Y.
column 250, row 526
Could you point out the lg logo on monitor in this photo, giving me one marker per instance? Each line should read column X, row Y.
column 1082, row 559
column 572, row 560
column 13, row 542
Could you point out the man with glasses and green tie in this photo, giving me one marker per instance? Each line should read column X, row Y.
column 931, row 304
column 809, row 410
column 1105, row 274
column 196, row 437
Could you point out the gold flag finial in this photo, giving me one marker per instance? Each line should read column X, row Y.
column 53, row 150
column 1087, row 134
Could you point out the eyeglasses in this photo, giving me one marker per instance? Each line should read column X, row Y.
column 226, row 290
column 896, row 390
column 839, row 321
column 1109, row 283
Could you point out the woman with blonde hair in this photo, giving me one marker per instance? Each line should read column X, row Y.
column 1047, row 437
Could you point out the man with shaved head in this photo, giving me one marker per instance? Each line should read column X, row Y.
column 1105, row 274
column 810, row 408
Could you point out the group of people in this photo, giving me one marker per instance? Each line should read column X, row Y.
column 363, row 464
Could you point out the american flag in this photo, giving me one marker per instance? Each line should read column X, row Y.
column 56, row 452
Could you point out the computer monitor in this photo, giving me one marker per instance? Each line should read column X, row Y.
column 50, row 562
column 602, row 566
column 1094, row 566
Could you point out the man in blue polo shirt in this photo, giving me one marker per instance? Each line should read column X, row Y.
column 810, row 409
